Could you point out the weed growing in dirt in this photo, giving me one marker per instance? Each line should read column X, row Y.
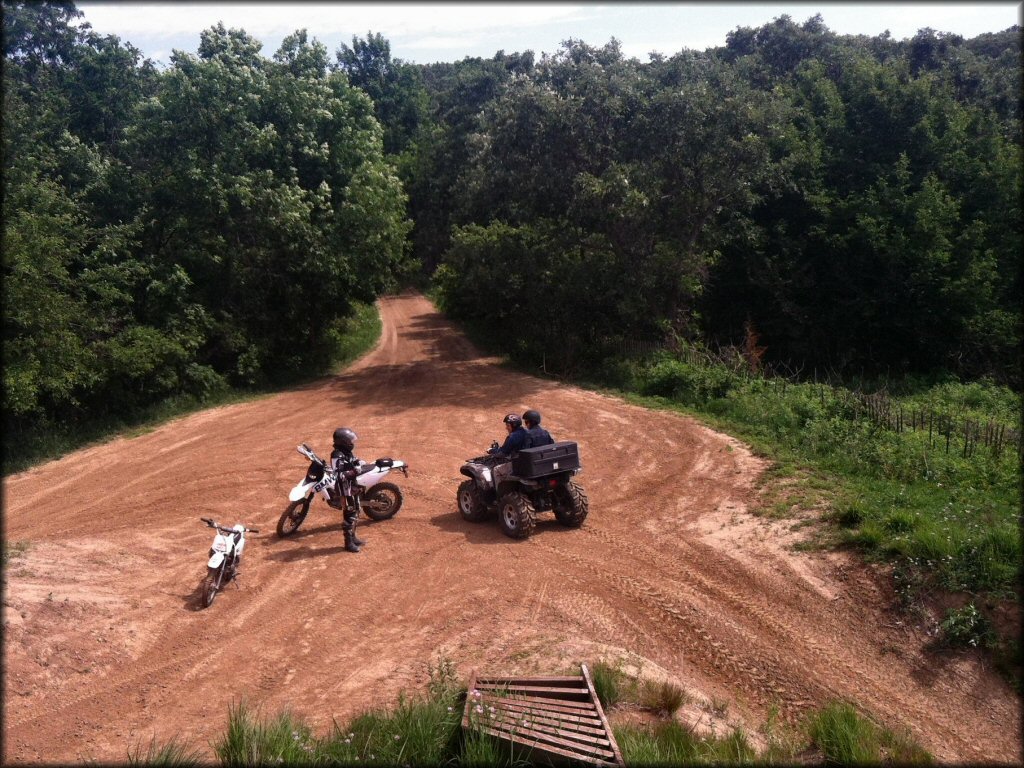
column 176, row 753
column 664, row 698
column 14, row 550
column 966, row 627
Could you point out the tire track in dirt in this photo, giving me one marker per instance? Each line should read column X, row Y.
column 668, row 569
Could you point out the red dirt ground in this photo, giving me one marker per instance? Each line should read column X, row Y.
column 106, row 646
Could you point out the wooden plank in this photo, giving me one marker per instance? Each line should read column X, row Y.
column 549, row 743
column 547, row 730
column 594, row 727
column 581, row 708
column 549, row 692
column 600, row 711
column 574, row 679
column 587, row 714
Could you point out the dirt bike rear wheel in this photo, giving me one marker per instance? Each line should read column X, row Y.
column 471, row 502
column 292, row 517
column 571, row 505
column 210, row 586
column 382, row 501
column 515, row 513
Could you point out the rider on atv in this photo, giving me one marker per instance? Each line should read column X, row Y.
column 517, row 438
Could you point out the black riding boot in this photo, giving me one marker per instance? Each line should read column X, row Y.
column 350, row 544
column 349, row 527
column 355, row 539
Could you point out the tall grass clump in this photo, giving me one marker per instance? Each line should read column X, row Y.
column 610, row 683
column 847, row 738
column 253, row 741
column 673, row 744
column 175, row 753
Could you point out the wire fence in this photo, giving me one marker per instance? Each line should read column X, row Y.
column 948, row 431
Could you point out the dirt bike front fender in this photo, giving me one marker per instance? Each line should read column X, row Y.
column 215, row 560
column 300, row 491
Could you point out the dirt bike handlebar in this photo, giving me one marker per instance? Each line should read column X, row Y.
column 221, row 528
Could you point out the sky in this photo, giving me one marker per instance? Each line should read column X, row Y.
column 426, row 31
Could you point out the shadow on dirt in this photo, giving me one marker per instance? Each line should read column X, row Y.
column 489, row 531
column 305, row 553
column 193, row 601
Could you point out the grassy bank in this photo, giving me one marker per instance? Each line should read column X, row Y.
column 426, row 730
column 51, row 441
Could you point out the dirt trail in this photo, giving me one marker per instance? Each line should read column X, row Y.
column 105, row 647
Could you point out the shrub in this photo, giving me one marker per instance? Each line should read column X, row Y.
column 966, row 627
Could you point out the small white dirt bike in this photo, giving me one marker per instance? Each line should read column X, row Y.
column 225, row 558
column 380, row 500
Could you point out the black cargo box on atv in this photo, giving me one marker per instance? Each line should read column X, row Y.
column 546, row 460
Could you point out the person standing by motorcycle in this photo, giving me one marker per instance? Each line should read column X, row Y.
column 538, row 435
column 346, row 465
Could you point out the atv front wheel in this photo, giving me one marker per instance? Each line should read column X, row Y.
column 571, row 505
column 471, row 502
column 515, row 513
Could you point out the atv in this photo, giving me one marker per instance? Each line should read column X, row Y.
column 540, row 481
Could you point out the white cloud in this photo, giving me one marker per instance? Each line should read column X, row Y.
column 276, row 19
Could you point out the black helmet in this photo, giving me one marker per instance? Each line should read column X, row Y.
column 532, row 416
column 344, row 439
column 514, row 420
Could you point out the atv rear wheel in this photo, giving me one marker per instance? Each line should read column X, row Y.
column 571, row 505
column 515, row 513
column 471, row 502
column 382, row 501
column 293, row 516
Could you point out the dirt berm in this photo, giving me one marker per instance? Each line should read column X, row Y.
column 105, row 645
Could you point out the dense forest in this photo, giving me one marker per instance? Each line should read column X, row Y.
column 848, row 204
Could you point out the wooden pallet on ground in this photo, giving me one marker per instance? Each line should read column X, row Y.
column 548, row 719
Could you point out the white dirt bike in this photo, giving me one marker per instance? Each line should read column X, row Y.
column 225, row 558
column 377, row 498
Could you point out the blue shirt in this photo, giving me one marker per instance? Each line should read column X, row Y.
column 539, row 436
column 517, row 439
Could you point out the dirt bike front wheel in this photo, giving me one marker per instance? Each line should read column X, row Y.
column 210, row 586
column 382, row 501
column 293, row 516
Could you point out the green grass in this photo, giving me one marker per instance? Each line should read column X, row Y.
column 426, row 731
column 13, row 550
column 845, row 737
column 50, row 441
column 173, row 754
column 899, row 497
